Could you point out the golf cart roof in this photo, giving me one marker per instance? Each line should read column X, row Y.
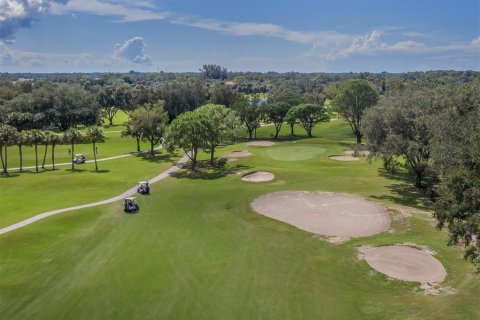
column 130, row 198
column 79, row 155
column 143, row 182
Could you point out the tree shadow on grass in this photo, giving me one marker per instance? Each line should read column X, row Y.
column 157, row 158
column 100, row 171
column 204, row 171
column 403, row 191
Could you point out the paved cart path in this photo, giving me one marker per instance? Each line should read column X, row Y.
column 127, row 193
column 69, row 163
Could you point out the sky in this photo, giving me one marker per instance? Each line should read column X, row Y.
column 247, row 35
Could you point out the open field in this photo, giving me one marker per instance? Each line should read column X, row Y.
column 196, row 250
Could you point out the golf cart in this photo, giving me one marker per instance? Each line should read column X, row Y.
column 131, row 205
column 143, row 187
column 79, row 158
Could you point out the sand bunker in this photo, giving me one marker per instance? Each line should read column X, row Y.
column 363, row 153
column 261, row 143
column 344, row 158
column 258, row 176
column 405, row 263
column 325, row 213
column 238, row 154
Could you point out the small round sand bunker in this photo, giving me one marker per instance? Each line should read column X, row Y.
column 405, row 263
column 238, row 154
column 343, row 158
column 325, row 213
column 258, row 176
column 362, row 153
column 261, row 143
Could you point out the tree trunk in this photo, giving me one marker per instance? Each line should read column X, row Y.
column 212, row 152
column 291, row 130
column 36, row 157
column 21, row 158
column 277, row 130
column 4, row 170
column 53, row 156
column 250, row 134
column 359, row 138
column 309, row 132
column 418, row 180
column 44, row 156
column 110, row 120
column 73, row 152
column 138, row 143
column 152, row 151
column 194, row 158
column 95, row 157
column 6, row 160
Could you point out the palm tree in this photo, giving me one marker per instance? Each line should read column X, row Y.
column 47, row 136
column 8, row 135
column 72, row 136
column 35, row 137
column 54, row 140
column 20, row 141
column 95, row 134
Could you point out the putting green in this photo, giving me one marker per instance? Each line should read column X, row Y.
column 293, row 152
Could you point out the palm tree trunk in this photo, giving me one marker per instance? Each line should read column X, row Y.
column 53, row 156
column 95, row 157
column 73, row 152
column 21, row 157
column 44, row 156
column 3, row 163
column 6, row 160
column 36, row 158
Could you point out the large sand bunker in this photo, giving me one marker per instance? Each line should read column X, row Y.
column 343, row 158
column 261, row 143
column 325, row 213
column 405, row 263
column 238, row 154
column 361, row 153
column 258, row 176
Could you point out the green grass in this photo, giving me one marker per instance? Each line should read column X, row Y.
column 294, row 152
column 28, row 194
column 197, row 251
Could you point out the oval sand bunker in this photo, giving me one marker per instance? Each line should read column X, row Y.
column 261, row 143
column 344, row 158
column 238, row 154
column 258, row 176
column 405, row 263
column 324, row 213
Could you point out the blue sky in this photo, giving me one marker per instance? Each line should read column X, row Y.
column 281, row 35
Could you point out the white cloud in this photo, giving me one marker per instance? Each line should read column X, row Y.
column 24, row 60
column 131, row 50
column 16, row 14
column 128, row 11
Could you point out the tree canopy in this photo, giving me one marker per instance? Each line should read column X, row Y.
column 352, row 99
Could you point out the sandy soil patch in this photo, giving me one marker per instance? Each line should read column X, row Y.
column 261, row 143
column 405, row 263
column 238, row 154
column 258, row 176
column 344, row 158
column 325, row 213
column 364, row 153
